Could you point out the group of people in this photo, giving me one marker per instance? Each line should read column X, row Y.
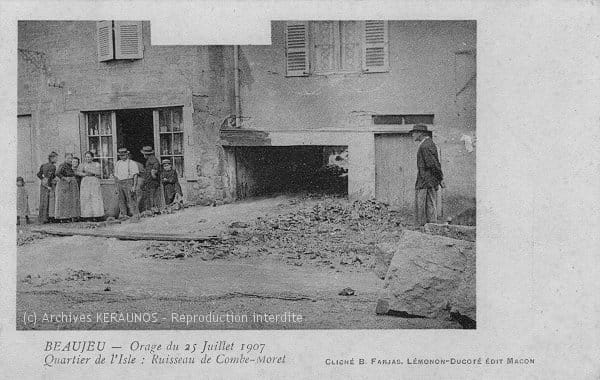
column 139, row 186
column 71, row 191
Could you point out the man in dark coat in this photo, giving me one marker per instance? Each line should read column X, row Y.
column 429, row 176
column 151, row 190
column 47, row 174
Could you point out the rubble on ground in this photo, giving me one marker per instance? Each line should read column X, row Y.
column 454, row 231
column 77, row 275
column 26, row 236
column 325, row 231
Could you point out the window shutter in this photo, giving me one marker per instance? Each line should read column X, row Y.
column 296, row 44
column 128, row 40
column 375, row 47
column 104, row 34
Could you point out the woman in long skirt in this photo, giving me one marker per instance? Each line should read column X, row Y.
column 90, row 195
column 67, row 192
column 47, row 174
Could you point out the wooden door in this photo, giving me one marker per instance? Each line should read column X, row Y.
column 395, row 170
column 26, row 167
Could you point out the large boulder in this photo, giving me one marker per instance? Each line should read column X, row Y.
column 430, row 276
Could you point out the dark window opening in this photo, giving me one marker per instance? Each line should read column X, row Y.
column 403, row 119
column 262, row 170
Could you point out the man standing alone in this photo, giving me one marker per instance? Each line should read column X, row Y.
column 429, row 176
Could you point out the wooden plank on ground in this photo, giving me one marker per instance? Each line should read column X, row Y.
column 122, row 235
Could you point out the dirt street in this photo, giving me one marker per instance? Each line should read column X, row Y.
column 283, row 256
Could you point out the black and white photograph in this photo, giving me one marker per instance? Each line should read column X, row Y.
column 325, row 181
column 300, row 189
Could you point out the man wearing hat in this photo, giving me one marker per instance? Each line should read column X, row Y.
column 126, row 175
column 151, row 194
column 429, row 176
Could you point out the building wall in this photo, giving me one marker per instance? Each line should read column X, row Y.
column 60, row 76
column 429, row 73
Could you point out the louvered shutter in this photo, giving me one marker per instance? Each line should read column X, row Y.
column 296, row 53
column 375, row 47
column 104, row 34
column 128, row 40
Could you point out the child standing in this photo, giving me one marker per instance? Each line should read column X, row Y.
column 170, row 182
column 22, row 202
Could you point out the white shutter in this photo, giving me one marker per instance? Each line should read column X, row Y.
column 296, row 48
column 375, row 47
column 128, row 40
column 104, row 34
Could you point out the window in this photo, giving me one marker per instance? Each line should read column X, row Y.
column 171, row 137
column 325, row 47
column 101, row 142
column 403, row 119
column 102, row 132
column 119, row 40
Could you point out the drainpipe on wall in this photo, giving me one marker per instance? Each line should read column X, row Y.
column 236, row 80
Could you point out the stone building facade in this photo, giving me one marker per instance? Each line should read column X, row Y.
column 353, row 88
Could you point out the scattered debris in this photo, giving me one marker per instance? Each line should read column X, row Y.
column 346, row 292
column 320, row 231
column 26, row 236
column 77, row 275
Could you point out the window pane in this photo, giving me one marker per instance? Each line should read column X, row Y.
column 107, row 167
column 177, row 143
column 178, row 165
column 164, row 120
column 95, row 145
column 107, row 148
column 418, row 119
column 105, row 123
column 165, row 144
column 92, row 124
column 177, row 119
column 324, row 43
column 350, row 45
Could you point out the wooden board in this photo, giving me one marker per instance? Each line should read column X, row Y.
column 121, row 235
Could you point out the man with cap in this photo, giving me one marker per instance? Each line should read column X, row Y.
column 47, row 174
column 126, row 176
column 151, row 194
column 429, row 176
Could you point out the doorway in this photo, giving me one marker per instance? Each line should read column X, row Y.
column 395, row 170
column 135, row 129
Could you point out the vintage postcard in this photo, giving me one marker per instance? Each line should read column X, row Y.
column 346, row 193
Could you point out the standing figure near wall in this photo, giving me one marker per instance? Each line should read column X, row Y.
column 67, row 192
column 90, row 194
column 151, row 189
column 170, row 182
column 22, row 202
column 429, row 176
column 47, row 175
column 140, row 182
column 126, row 176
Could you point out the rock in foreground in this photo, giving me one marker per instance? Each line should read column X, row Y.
column 430, row 276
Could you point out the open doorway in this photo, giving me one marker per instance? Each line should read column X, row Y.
column 135, row 129
column 270, row 170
